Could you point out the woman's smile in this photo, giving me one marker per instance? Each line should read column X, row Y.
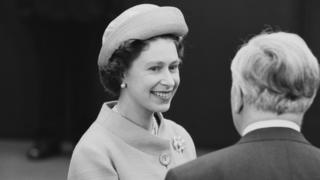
column 163, row 95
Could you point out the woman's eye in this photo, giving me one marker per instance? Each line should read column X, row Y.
column 155, row 68
column 174, row 67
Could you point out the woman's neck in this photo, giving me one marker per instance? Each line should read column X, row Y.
column 133, row 112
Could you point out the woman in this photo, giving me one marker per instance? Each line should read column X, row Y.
column 139, row 64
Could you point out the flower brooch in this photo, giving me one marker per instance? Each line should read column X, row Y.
column 178, row 144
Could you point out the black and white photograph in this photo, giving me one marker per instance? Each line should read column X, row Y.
column 160, row 90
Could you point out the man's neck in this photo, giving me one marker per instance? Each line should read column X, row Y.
column 269, row 119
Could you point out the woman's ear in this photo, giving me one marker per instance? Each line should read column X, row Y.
column 123, row 76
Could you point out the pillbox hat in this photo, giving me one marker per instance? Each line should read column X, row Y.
column 142, row 22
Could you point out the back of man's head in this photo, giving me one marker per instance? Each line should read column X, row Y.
column 277, row 73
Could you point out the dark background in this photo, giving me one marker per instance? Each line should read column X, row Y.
column 202, row 104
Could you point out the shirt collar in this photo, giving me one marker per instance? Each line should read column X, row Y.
column 269, row 124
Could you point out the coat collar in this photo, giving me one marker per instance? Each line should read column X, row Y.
column 133, row 134
column 274, row 133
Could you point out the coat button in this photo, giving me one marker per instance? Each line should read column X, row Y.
column 165, row 159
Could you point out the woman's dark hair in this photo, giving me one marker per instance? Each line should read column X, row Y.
column 111, row 74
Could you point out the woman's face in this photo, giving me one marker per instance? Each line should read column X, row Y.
column 153, row 77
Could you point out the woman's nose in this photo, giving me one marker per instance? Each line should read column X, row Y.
column 167, row 79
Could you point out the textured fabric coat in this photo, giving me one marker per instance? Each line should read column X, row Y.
column 115, row 148
column 269, row 153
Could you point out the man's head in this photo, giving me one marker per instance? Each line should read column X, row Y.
column 273, row 73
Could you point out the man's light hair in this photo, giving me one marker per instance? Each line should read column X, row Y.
column 276, row 72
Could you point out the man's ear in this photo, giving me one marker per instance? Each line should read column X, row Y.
column 241, row 104
column 238, row 99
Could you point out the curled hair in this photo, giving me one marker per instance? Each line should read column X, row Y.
column 276, row 72
column 111, row 74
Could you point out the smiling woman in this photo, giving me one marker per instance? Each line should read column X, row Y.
column 139, row 65
column 152, row 79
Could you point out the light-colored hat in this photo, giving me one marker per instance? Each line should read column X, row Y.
column 142, row 22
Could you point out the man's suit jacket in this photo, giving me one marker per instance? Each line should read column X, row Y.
column 269, row 153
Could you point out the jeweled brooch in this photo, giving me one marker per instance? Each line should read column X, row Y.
column 178, row 144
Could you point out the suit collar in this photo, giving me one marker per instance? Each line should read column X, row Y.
column 273, row 133
column 270, row 123
column 132, row 134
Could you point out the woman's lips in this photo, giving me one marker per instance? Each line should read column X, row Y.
column 165, row 95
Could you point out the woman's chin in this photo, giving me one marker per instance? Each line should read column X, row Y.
column 161, row 108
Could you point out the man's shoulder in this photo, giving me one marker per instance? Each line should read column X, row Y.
column 233, row 162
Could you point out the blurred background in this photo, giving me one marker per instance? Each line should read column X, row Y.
column 62, row 39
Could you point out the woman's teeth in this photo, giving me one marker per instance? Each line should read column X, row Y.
column 163, row 95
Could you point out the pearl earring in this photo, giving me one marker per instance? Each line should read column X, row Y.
column 123, row 85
